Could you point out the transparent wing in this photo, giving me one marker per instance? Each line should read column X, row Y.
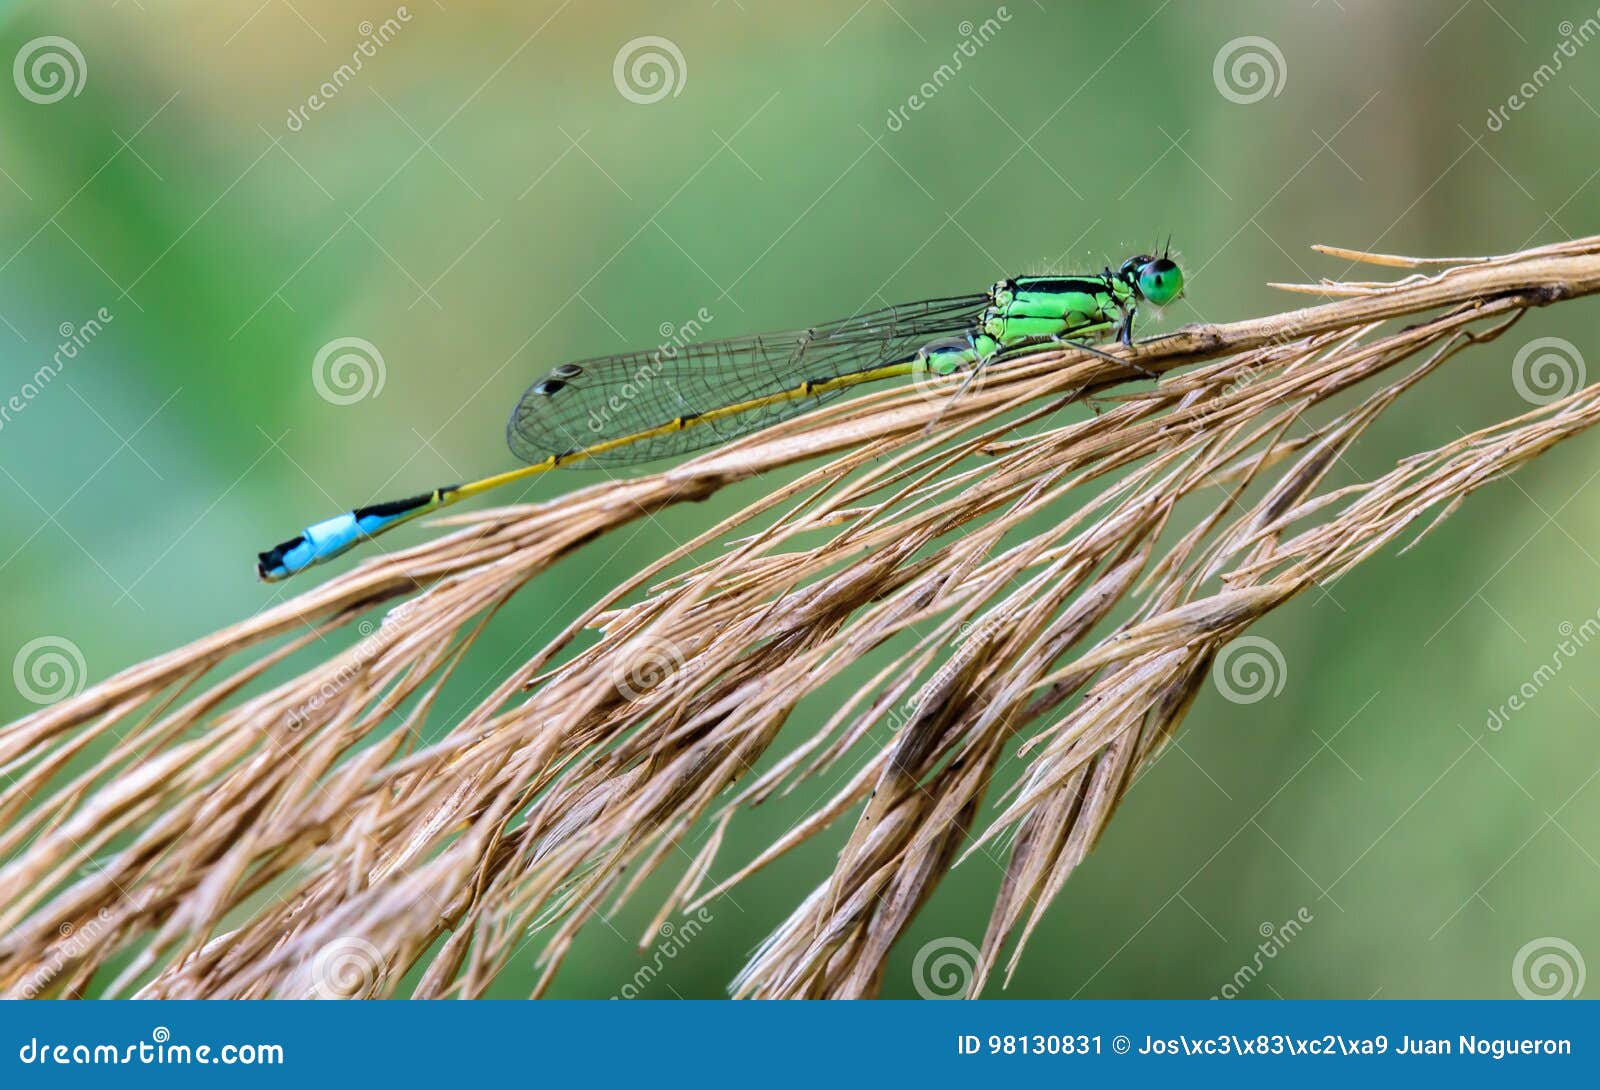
column 591, row 401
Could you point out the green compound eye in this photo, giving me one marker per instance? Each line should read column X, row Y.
column 1160, row 281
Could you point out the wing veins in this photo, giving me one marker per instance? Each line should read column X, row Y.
column 602, row 398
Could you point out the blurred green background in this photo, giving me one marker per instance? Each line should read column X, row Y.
column 481, row 200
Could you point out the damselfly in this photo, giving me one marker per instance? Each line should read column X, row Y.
column 638, row 406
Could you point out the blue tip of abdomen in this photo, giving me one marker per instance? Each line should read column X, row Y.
column 329, row 538
column 324, row 541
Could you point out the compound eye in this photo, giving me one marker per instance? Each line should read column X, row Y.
column 1160, row 281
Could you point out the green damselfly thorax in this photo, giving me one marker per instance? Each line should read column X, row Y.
column 620, row 410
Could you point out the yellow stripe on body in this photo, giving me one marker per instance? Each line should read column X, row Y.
column 805, row 389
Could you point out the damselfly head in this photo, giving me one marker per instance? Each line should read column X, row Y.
column 1158, row 280
column 1130, row 268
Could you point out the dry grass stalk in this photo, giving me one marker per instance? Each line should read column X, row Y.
column 1029, row 575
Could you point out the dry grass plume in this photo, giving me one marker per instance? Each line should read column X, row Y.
column 1016, row 576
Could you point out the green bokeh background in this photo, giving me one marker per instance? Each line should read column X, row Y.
column 481, row 202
